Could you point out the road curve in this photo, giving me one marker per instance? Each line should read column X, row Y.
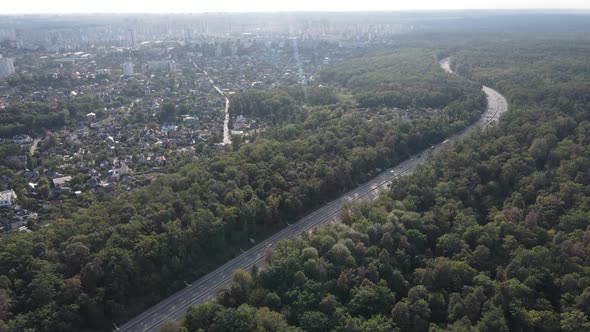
column 204, row 289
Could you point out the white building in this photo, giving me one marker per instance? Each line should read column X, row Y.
column 22, row 139
column 7, row 198
column 162, row 65
column 118, row 172
column 165, row 128
column 128, row 69
column 91, row 117
column 61, row 181
column 6, row 67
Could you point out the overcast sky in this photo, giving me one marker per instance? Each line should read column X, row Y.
column 197, row 6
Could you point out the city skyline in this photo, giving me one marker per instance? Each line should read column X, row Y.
column 181, row 6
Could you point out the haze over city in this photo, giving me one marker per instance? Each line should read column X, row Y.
column 295, row 166
column 184, row 6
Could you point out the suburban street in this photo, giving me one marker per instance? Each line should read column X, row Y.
column 226, row 132
column 204, row 289
column 226, row 135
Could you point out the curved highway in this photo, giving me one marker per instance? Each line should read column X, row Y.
column 202, row 290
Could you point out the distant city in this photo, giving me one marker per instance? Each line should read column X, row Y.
column 77, row 33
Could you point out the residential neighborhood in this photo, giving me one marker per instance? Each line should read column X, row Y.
column 103, row 118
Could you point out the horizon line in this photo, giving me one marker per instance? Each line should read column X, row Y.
column 558, row 9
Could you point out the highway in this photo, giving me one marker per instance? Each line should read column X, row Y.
column 204, row 289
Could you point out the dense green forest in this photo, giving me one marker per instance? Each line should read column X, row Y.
column 491, row 235
column 280, row 105
column 34, row 118
column 397, row 80
column 117, row 255
column 407, row 78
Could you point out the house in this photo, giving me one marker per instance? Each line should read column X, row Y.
column 24, row 229
column 237, row 132
column 190, row 121
column 240, row 126
column 61, row 191
column 91, row 117
column 7, row 198
column 82, row 132
column 22, row 139
column 203, row 134
column 94, row 174
column 61, row 182
column 168, row 127
column 71, row 137
column 31, row 175
column 122, row 170
column 18, row 220
column 241, row 123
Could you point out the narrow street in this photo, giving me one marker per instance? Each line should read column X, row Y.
column 34, row 145
column 226, row 132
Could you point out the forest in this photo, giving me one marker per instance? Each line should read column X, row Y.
column 491, row 234
column 119, row 254
column 407, row 79
column 397, row 80
column 34, row 118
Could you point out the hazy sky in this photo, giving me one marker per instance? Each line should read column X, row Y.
column 194, row 6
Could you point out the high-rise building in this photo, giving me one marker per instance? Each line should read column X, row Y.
column 54, row 37
column 128, row 68
column 6, row 67
column 188, row 34
column 19, row 40
column 132, row 37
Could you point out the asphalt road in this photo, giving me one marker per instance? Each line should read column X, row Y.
column 226, row 133
column 204, row 289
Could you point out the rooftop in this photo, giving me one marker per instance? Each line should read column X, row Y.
column 7, row 195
